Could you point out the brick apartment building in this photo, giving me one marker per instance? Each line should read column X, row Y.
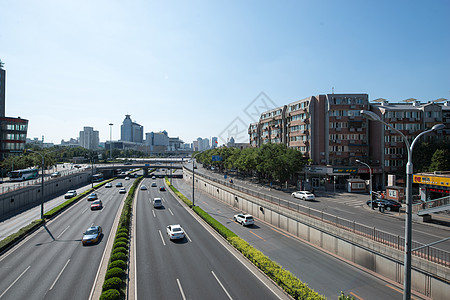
column 330, row 130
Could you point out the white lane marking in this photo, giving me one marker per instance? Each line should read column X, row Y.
column 84, row 210
column 62, row 232
column 153, row 211
column 59, row 275
column 162, row 239
column 170, row 211
column 181, row 289
column 223, row 288
column 187, row 237
column 10, row 286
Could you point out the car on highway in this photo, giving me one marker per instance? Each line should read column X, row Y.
column 162, row 189
column 91, row 235
column 96, row 205
column 143, row 188
column 122, row 191
column 154, row 184
column 153, row 177
column 157, row 202
column 70, row 194
column 303, row 195
column 55, row 174
column 127, row 178
column 108, row 185
column 119, row 184
column 175, row 232
column 92, row 197
column 77, row 166
column 389, row 205
column 244, row 219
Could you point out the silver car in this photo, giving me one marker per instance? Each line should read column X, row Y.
column 304, row 195
column 175, row 232
column 157, row 202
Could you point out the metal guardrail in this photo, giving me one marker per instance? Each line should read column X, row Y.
column 429, row 253
column 431, row 206
column 22, row 184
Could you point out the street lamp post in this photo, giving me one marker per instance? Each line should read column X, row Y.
column 408, row 219
column 110, row 140
column 370, row 180
column 42, row 182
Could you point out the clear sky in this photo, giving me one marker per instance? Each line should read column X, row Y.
column 196, row 68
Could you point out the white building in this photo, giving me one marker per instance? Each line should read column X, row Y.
column 89, row 138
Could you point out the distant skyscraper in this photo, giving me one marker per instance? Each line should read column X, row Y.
column 89, row 138
column 2, row 91
column 131, row 131
column 214, row 142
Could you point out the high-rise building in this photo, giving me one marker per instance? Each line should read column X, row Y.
column 157, row 141
column 89, row 138
column 214, row 142
column 13, row 131
column 131, row 131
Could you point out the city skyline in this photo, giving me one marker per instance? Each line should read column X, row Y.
column 185, row 68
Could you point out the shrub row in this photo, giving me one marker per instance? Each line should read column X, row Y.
column 19, row 235
column 114, row 283
column 285, row 279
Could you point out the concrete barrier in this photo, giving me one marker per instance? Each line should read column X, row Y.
column 29, row 196
column 428, row 278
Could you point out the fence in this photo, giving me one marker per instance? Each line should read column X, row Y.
column 432, row 254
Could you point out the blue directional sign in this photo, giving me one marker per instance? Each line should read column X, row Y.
column 216, row 158
column 147, row 165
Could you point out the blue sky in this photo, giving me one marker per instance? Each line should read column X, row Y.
column 193, row 67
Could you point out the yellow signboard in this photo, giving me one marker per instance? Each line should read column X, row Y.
column 432, row 180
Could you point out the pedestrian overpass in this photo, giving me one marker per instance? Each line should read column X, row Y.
column 433, row 206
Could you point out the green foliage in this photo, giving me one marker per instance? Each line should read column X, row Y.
column 119, row 256
column 343, row 297
column 180, row 195
column 15, row 237
column 121, row 244
column 115, row 272
column 440, row 161
column 110, row 295
column 423, row 156
column 118, row 264
column 119, row 249
column 122, row 235
column 121, row 239
column 114, row 283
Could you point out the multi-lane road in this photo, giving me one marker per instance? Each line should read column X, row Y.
column 52, row 263
column 196, row 267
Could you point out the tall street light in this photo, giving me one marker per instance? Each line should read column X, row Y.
column 42, row 182
column 408, row 219
column 370, row 180
column 110, row 140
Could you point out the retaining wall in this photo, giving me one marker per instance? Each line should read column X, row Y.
column 428, row 278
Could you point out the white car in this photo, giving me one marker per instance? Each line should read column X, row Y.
column 127, row 178
column 143, row 188
column 157, row 202
column 70, row 194
column 304, row 195
column 154, row 184
column 244, row 219
column 175, row 232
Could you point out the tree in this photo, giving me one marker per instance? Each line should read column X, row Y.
column 440, row 161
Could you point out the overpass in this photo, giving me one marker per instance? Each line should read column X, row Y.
column 109, row 169
column 433, row 206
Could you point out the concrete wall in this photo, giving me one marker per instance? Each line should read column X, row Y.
column 17, row 201
column 428, row 278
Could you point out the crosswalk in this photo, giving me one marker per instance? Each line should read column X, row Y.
column 353, row 203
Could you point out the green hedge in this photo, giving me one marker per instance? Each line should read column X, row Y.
column 119, row 256
column 120, row 244
column 285, row 279
column 120, row 250
column 110, row 295
column 15, row 237
column 114, row 283
column 117, row 264
column 115, row 272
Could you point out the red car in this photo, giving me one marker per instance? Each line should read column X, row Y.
column 96, row 205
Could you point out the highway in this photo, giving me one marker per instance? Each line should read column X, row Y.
column 197, row 267
column 52, row 263
column 352, row 206
column 322, row 272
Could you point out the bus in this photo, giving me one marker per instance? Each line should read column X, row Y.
column 25, row 174
column 97, row 177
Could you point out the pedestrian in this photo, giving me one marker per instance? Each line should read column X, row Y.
column 312, row 191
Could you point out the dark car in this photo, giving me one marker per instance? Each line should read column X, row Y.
column 162, row 189
column 92, row 197
column 388, row 204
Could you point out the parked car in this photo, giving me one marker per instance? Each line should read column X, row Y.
column 119, row 184
column 175, row 232
column 108, row 185
column 70, row 194
column 157, row 202
column 162, row 188
column 91, row 235
column 122, row 191
column 244, row 219
column 154, row 184
column 304, row 195
column 97, row 204
column 92, row 197
column 143, row 188
column 389, row 205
